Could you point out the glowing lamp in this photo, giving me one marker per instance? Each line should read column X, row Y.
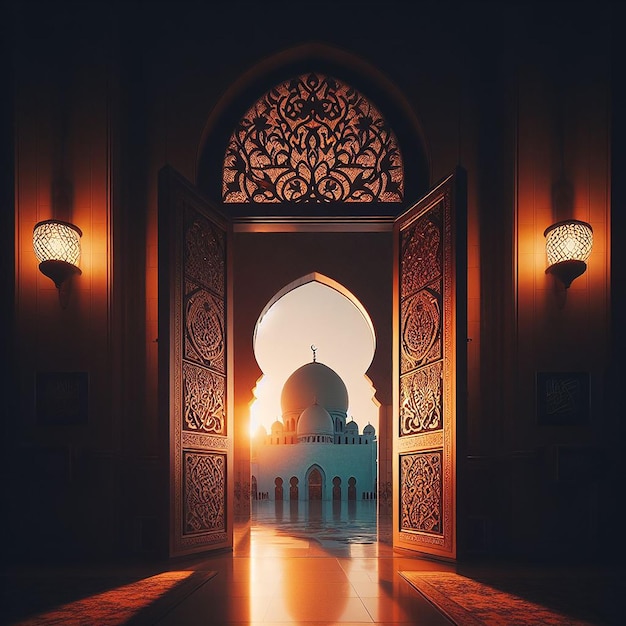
column 568, row 246
column 57, row 247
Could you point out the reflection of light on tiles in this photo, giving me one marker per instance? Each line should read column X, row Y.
column 115, row 606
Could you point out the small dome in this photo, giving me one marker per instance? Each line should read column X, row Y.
column 314, row 382
column 315, row 420
column 260, row 431
column 352, row 427
column 369, row 430
column 277, row 427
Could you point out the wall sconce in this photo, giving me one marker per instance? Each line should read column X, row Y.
column 568, row 246
column 57, row 246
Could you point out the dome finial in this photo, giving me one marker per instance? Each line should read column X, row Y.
column 314, row 351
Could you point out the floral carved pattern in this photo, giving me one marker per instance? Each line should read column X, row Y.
column 204, row 252
column 312, row 139
column 204, row 400
column 204, row 507
column 421, row 255
column 421, row 329
column 421, row 503
column 421, row 402
column 204, row 328
column 427, row 326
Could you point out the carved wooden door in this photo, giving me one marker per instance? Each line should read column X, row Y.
column 195, row 367
column 429, row 368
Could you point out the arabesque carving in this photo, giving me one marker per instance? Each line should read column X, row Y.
column 427, row 367
column 204, row 328
column 201, row 440
column 421, row 337
column 204, row 400
column 421, row 405
column 205, row 252
column 204, row 507
column 313, row 139
column 421, row 256
column 421, row 492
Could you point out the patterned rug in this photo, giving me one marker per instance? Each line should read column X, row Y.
column 138, row 602
column 470, row 602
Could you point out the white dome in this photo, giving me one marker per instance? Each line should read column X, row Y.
column 352, row 427
column 277, row 428
column 369, row 430
column 315, row 421
column 314, row 383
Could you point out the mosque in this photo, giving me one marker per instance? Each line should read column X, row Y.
column 313, row 452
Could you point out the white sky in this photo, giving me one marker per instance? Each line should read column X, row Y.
column 314, row 314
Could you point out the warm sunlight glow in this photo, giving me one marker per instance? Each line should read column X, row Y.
column 115, row 606
column 315, row 313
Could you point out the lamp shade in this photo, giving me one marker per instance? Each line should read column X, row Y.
column 54, row 240
column 57, row 247
column 568, row 240
column 568, row 246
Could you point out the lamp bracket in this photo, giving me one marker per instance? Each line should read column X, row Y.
column 567, row 271
column 58, row 271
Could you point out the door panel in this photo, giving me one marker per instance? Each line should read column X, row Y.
column 429, row 368
column 195, row 367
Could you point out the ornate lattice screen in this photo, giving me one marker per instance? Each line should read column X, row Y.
column 313, row 139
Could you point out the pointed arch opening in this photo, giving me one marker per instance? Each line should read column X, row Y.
column 315, row 483
column 317, row 312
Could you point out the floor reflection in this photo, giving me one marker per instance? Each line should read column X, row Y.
column 309, row 563
column 329, row 523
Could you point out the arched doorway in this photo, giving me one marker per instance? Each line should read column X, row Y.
column 358, row 241
column 416, row 233
column 315, row 484
column 352, row 489
column 348, row 238
column 336, row 488
column 278, row 489
column 293, row 489
column 317, row 308
column 280, row 238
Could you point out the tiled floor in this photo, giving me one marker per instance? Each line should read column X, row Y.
column 275, row 578
column 298, row 565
